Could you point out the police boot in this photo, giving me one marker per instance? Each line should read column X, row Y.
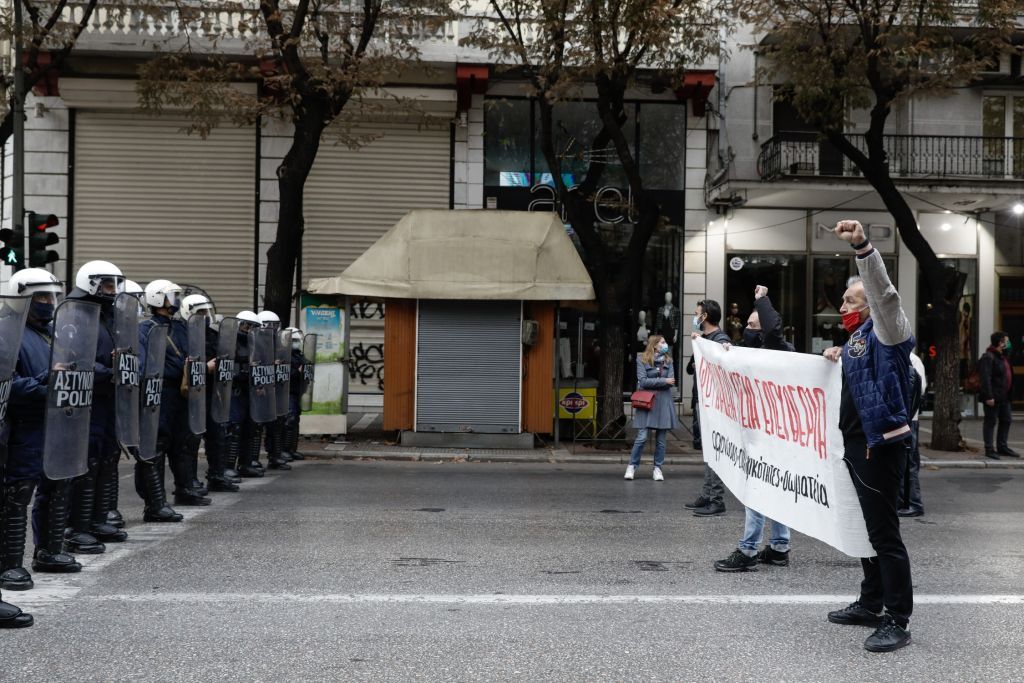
column 50, row 556
column 13, row 575
column 292, row 439
column 79, row 537
column 274, row 443
column 109, row 489
column 249, row 451
column 230, row 453
column 101, row 528
column 13, row 617
column 151, row 485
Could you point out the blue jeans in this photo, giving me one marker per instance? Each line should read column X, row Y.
column 755, row 528
column 660, row 435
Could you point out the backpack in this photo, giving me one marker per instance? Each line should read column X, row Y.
column 972, row 385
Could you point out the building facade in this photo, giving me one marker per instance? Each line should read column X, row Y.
column 749, row 194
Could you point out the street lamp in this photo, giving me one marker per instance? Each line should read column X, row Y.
column 1018, row 209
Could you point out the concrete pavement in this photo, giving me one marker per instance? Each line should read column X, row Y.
column 345, row 570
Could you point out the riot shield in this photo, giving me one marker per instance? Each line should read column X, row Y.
column 308, row 372
column 151, row 391
column 262, row 376
column 224, row 375
column 69, row 390
column 13, row 311
column 195, row 374
column 127, row 370
column 283, row 355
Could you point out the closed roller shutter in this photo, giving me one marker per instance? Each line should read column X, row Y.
column 354, row 196
column 163, row 204
column 468, row 364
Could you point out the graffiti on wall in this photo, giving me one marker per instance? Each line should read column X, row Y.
column 366, row 349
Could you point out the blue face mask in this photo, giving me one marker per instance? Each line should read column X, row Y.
column 696, row 323
column 42, row 311
column 662, row 349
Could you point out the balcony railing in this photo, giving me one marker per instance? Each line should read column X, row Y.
column 794, row 154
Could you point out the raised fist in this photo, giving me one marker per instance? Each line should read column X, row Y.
column 760, row 291
column 850, row 231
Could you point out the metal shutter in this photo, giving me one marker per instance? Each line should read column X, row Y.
column 353, row 197
column 163, row 204
column 468, row 366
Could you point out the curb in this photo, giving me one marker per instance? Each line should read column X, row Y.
column 566, row 458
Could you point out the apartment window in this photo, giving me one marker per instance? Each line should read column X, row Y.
column 1002, row 127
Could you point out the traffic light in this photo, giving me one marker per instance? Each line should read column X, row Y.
column 39, row 239
column 13, row 253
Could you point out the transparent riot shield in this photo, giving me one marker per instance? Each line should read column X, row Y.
column 308, row 372
column 69, row 390
column 127, row 370
column 262, row 376
column 283, row 355
column 13, row 311
column 195, row 374
column 224, row 375
column 151, row 391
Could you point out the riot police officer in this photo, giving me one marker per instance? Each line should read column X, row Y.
column 241, row 432
column 162, row 297
column 25, row 444
column 99, row 282
column 297, row 387
column 274, row 430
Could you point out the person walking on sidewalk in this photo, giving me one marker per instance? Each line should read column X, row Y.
column 706, row 317
column 874, row 418
column 654, row 372
column 763, row 331
column 996, row 376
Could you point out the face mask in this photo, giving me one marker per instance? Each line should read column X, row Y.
column 173, row 309
column 1008, row 345
column 752, row 337
column 42, row 312
column 851, row 321
column 696, row 323
column 662, row 348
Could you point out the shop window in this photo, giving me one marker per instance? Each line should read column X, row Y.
column 1011, row 321
column 663, row 146
column 926, row 327
column 507, row 143
column 785, row 276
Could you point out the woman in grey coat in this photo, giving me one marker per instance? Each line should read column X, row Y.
column 654, row 372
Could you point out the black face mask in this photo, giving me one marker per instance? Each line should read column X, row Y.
column 41, row 312
column 751, row 337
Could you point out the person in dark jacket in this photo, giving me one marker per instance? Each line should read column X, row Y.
column 874, row 418
column 996, row 376
column 296, row 388
column 763, row 331
column 98, row 282
column 241, row 431
column 706, row 316
column 654, row 372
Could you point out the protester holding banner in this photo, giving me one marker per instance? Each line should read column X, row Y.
column 654, row 372
column 874, row 417
column 706, row 317
column 763, row 331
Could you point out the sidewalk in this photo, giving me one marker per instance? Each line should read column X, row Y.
column 374, row 445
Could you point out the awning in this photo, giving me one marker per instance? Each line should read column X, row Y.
column 434, row 254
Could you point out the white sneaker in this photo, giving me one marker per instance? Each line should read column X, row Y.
column 630, row 471
column 658, row 476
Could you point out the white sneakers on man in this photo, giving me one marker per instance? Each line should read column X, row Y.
column 658, row 476
column 630, row 471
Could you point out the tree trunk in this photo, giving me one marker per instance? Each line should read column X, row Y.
column 291, row 183
column 610, row 373
column 946, row 414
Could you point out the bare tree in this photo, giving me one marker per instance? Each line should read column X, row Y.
column 834, row 56
column 564, row 48
column 314, row 60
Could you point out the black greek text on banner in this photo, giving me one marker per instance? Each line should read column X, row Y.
column 770, row 426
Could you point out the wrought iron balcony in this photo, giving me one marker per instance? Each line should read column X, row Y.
column 796, row 154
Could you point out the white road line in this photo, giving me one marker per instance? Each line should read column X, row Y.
column 534, row 600
column 54, row 589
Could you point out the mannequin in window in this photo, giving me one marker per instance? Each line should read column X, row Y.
column 667, row 324
column 734, row 324
column 642, row 333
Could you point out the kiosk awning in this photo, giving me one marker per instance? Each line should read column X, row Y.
column 435, row 254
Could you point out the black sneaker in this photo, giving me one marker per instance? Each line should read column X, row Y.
column 737, row 562
column 991, row 455
column 699, row 503
column 910, row 512
column 1008, row 452
column 710, row 510
column 855, row 614
column 888, row 637
column 771, row 556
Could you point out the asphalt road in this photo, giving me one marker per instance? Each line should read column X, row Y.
column 470, row 571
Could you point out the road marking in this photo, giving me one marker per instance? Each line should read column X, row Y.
column 534, row 600
column 54, row 589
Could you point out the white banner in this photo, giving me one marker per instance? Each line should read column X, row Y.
column 769, row 423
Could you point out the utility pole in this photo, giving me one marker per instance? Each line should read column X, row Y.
column 18, row 200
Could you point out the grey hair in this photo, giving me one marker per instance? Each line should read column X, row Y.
column 854, row 280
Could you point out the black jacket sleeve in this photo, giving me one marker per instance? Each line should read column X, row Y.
column 985, row 375
column 771, row 323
